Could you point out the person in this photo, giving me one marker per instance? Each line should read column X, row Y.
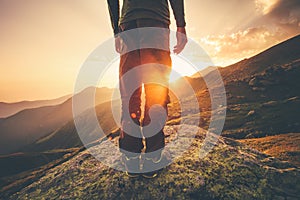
column 134, row 52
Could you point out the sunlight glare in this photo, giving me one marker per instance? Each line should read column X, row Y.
column 180, row 68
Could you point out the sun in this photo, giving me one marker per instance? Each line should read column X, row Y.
column 180, row 68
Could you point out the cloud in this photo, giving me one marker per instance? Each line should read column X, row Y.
column 241, row 44
column 284, row 9
column 278, row 20
column 265, row 6
column 286, row 14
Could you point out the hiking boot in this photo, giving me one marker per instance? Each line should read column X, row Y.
column 132, row 165
column 153, row 165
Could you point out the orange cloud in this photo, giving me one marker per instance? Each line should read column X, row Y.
column 241, row 44
column 265, row 6
column 278, row 20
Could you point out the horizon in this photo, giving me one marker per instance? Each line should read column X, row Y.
column 175, row 78
column 43, row 44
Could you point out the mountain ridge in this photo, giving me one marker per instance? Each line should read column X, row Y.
column 282, row 53
column 234, row 96
column 259, row 103
column 8, row 109
column 38, row 122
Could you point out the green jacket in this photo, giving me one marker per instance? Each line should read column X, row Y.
column 145, row 9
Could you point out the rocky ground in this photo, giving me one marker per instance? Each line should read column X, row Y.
column 230, row 171
column 285, row 146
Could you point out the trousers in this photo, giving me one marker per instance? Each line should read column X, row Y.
column 145, row 64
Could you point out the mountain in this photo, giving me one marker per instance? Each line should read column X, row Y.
column 29, row 125
column 262, row 101
column 66, row 136
column 257, row 156
column 230, row 171
column 278, row 55
column 53, row 149
column 261, row 84
column 264, row 104
column 273, row 110
column 262, row 93
column 204, row 72
column 283, row 146
column 8, row 109
column 19, row 162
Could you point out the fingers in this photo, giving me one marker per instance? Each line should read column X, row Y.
column 118, row 45
column 181, row 42
column 118, row 49
column 178, row 49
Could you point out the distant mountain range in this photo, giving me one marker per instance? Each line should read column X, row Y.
column 263, row 101
column 270, row 92
column 8, row 109
column 276, row 67
column 28, row 125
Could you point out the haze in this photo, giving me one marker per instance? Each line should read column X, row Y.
column 44, row 43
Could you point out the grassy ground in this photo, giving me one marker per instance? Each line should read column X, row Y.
column 285, row 147
column 230, row 171
column 22, row 169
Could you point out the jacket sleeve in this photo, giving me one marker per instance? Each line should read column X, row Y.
column 178, row 10
column 114, row 12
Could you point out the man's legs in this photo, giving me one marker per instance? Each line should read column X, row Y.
column 156, row 85
column 157, row 99
column 130, row 141
column 161, row 63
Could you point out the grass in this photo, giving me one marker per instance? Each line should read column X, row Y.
column 10, row 184
column 230, row 171
column 285, row 146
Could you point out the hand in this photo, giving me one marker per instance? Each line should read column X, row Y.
column 118, row 44
column 181, row 40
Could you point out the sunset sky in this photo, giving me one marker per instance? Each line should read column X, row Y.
column 44, row 42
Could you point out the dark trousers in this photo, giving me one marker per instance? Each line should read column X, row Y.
column 154, row 76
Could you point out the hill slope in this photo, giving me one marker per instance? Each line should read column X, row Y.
column 284, row 146
column 230, row 171
column 66, row 136
column 278, row 55
column 272, row 94
column 29, row 125
column 266, row 85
